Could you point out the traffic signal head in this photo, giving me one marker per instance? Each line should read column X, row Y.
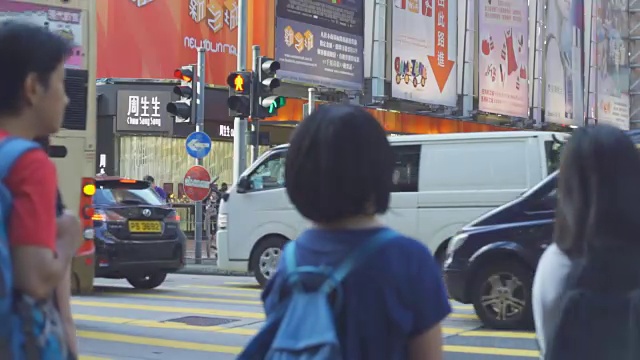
column 183, row 109
column 240, row 87
column 267, row 104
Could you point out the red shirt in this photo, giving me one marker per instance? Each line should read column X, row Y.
column 33, row 184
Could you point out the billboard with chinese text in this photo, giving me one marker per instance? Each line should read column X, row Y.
column 424, row 47
column 564, row 63
column 321, row 43
column 143, row 111
column 65, row 22
column 150, row 39
column 612, row 63
column 503, row 58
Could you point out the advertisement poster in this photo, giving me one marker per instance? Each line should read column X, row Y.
column 503, row 58
column 563, row 63
column 151, row 38
column 65, row 22
column 424, row 51
column 321, row 42
column 612, row 63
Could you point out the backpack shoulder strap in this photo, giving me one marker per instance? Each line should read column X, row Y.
column 356, row 257
column 11, row 148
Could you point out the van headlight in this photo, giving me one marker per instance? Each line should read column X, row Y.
column 456, row 242
column 222, row 221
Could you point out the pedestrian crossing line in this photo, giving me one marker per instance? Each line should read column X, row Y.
column 201, row 311
column 189, row 298
column 480, row 350
column 218, row 329
column 170, row 309
column 202, row 347
column 164, row 343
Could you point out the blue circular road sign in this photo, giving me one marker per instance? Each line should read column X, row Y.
column 198, row 144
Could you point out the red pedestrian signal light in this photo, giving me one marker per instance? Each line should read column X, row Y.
column 240, row 82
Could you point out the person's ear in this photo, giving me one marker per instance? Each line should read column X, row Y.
column 32, row 89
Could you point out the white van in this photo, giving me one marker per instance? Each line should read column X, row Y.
column 442, row 182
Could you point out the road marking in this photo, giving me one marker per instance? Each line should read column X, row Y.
column 187, row 345
column 116, row 289
column 499, row 334
column 165, row 343
column 221, row 287
column 480, row 350
column 181, row 326
column 239, row 283
column 170, row 309
column 189, row 298
column 86, row 357
column 463, row 316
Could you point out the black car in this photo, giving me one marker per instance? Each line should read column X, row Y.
column 137, row 235
column 490, row 263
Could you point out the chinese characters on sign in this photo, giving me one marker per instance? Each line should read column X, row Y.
column 218, row 13
column 143, row 111
column 504, row 53
column 226, row 131
column 320, row 43
column 141, row 3
column 424, row 64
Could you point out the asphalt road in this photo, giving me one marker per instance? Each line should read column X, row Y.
column 212, row 317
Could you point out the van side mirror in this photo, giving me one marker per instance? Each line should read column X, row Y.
column 243, row 185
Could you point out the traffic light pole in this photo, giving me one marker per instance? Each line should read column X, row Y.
column 240, row 124
column 199, row 120
column 255, row 121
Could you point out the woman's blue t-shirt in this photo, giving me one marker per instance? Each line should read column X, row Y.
column 392, row 296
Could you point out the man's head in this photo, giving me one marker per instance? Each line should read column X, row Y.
column 32, row 91
column 150, row 180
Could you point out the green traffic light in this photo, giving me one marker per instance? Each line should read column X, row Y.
column 277, row 103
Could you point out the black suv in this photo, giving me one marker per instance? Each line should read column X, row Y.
column 137, row 235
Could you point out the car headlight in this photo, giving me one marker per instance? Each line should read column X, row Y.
column 456, row 242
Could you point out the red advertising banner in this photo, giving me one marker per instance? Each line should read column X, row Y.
column 151, row 38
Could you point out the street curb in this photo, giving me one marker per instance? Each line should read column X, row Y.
column 209, row 269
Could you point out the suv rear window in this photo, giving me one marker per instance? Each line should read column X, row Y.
column 116, row 192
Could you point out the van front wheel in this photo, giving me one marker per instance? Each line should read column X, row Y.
column 265, row 259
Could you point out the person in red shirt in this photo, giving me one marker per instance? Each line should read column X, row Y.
column 32, row 104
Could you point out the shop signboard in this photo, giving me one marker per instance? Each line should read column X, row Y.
column 62, row 21
column 150, row 39
column 563, row 62
column 612, row 63
column 320, row 42
column 424, row 51
column 503, row 57
column 143, row 111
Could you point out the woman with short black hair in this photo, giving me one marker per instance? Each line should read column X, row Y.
column 339, row 176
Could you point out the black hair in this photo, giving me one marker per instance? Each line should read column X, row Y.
column 598, row 190
column 149, row 179
column 339, row 165
column 24, row 49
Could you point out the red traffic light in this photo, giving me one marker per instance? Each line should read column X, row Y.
column 183, row 74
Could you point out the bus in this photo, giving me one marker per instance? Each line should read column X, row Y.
column 73, row 149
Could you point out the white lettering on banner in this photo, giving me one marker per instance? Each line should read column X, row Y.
column 202, row 184
column 138, row 111
column 226, row 131
column 219, row 47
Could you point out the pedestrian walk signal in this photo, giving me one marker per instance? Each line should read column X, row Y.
column 239, row 101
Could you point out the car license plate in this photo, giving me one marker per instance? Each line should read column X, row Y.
column 145, row 227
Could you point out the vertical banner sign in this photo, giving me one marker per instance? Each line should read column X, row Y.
column 320, row 42
column 424, row 51
column 503, row 58
column 563, row 63
column 612, row 63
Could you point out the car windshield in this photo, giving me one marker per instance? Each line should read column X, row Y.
column 109, row 193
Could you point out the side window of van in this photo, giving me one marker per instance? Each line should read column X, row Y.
column 407, row 168
column 552, row 150
column 269, row 174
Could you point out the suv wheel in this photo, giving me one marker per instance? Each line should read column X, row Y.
column 147, row 282
column 266, row 258
column 501, row 295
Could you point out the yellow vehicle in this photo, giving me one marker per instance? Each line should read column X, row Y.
column 73, row 148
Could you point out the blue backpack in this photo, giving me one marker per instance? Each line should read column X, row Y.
column 303, row 326
column 30, row 329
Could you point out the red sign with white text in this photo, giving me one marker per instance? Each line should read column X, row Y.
column 197, row 183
